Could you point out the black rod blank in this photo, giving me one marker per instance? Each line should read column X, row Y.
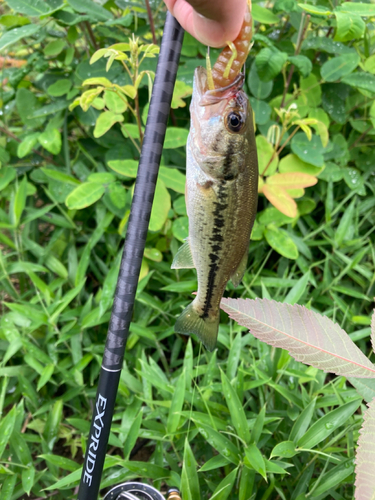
column 135, row 241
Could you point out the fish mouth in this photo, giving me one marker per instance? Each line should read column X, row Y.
column 207, row 96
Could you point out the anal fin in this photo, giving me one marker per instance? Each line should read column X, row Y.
column 183, row 258
column 240, row 271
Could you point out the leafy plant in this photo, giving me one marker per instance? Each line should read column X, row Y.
column 66, row 182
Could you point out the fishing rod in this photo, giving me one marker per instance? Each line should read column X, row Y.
column 118, row 330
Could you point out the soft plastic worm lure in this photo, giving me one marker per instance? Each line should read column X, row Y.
column 232, row 57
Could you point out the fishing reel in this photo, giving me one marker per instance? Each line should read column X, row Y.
column 140, row 491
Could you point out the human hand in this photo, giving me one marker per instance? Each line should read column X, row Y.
column 212, row 22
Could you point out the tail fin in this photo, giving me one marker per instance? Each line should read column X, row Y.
column 205, row 329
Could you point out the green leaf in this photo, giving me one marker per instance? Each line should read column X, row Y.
column 57, row 175
column 28, row 477
column 267, row 158
column 93, row 9
column 180, row 228
column 160, row 207
column 269, row 63
column 263, row 15
column 322, row 43
column 54, row 48
column 26, row 146
column 349, row 27
column 127, row 168
column 7, row 174
column 257, row 87
column 281, row 242
column 59, row 88
column 298, row 289
column 50, row 139
column 16, row 34
column 302, row 423
column 308, row 151
column 61, row 462
column 132, row 436
column 189, row 481
column 363, row 81
column 105, row 121
column 324, row 427
column 261, row 110
column 225, row 487
column 334, row 477
column 255, row 460
column 173, row 179
column 345, row 229
column 176, row 406
column 292, row 163
column 20, row 201
column 84, row 195
column 6, row 428
column 35, row 8
column 316, row 10
column 114, row 102
column 284, row 449
column 360, row 9
column 338, row 67
column 302, row 63
column 45, row 376
column 236, row 410
column 222, row 444
column 175, row 137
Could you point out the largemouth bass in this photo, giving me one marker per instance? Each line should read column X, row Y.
column 221, row 199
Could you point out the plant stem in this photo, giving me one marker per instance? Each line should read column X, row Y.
column 304, row 22
column 151, row 21
column 354, row 145
column 91, row 35
column 14, row 137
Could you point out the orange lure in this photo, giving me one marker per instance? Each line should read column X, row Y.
column 232, row 57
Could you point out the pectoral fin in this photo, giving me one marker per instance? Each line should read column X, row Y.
column 240, row 271
column 183, row 258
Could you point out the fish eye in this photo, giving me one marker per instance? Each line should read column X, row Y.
column 234, row 122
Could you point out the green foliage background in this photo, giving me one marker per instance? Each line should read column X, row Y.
column 245, row 416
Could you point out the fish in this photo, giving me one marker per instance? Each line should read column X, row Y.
column 221, row 199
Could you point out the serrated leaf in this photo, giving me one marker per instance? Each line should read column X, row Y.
column 364, row 461
column 308, row 336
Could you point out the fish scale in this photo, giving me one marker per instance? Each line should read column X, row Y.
column 221, row 200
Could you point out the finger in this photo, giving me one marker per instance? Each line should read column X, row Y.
column 211, row 22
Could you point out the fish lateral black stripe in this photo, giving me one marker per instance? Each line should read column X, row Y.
column 216, row 247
